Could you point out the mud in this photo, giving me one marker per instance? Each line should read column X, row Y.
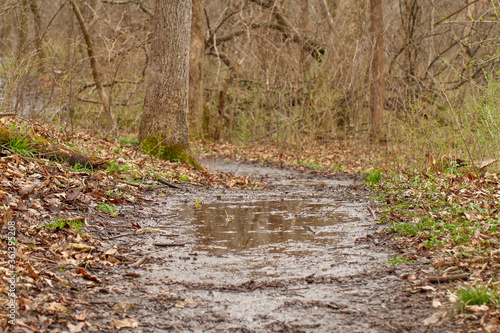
column 304, row 254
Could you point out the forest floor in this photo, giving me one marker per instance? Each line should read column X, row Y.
column 153, row 246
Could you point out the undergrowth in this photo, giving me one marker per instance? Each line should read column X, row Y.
column 60, row 223
column 476, row 295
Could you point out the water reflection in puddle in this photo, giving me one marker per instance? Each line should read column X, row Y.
column 235, row 227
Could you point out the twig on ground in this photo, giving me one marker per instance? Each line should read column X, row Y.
column 123, row 235
column 372, row 212
column 7, row 114
column 140, row 262
column 163, row 181
column 129, row 183
column 170, row 244
column 438, row 279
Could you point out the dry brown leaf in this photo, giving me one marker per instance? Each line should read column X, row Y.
column 75, row 328
column 82, row 316
column 432, row 320
column 477, row 308
column 436, row 304
column 82, row 247
column 124, row 306
column 57, row 307
column 127, row 322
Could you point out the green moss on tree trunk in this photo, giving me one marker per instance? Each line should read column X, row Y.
column 174, row 153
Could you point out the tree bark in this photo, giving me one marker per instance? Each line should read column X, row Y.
column 37, row 20
column 377, row 68
column 22, row 30
column 164, row 124
column 196, row 69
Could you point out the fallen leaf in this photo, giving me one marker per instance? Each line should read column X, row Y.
column 124, row 306
column 187, row 303
column 111, row 251
column 86, row 275
column 452, row 298
column 434, row 319
column 57, row 307
column 75, row 328
column 127, row 322
column 426, row 288
column 82, row 247
column 134, row 275
column 436, row 304
column 477, row 308
column 82, row 316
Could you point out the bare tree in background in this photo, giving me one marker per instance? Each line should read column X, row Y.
column 377, row 67
column 164, row 125
column 196, row 69
column 95, row 69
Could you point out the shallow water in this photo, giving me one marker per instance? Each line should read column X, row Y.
column 238, row 226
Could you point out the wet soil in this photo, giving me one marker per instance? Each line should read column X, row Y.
column 304, row 254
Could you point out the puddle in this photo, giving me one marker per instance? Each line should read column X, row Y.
column 236, row 227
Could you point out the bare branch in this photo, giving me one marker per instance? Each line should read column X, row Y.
column 456, row 12
column 141, row 4
column 314, row 48
column 93, row 64
column 326, row 12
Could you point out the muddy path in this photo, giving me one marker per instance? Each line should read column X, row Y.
column 303, row 255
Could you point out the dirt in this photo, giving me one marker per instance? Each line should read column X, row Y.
column 303, row 254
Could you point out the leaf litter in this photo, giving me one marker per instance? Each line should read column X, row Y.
column 45, row 199
column 452, row 217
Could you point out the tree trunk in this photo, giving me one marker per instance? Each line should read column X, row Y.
column 377, row 68
column 196, row 71
column 22, row 30
column 37, row 20
column 164, row 124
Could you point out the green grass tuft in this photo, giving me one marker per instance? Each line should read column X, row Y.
column 108, row 209
column 60, row 223
column 373, row 177
column 476, row 295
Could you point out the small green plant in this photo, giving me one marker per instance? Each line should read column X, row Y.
column 81, row 168
column 398, row 260
column 21, row 144
column 184, row 178
column 107, row 208
column 432, row 242
column 338, row 167
column 113, row 167
column 61, row 222
column 476, row 295
column 128, row 140
column 198, row 203
column 373, row 177
column 310, row 165
column 230, row 218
